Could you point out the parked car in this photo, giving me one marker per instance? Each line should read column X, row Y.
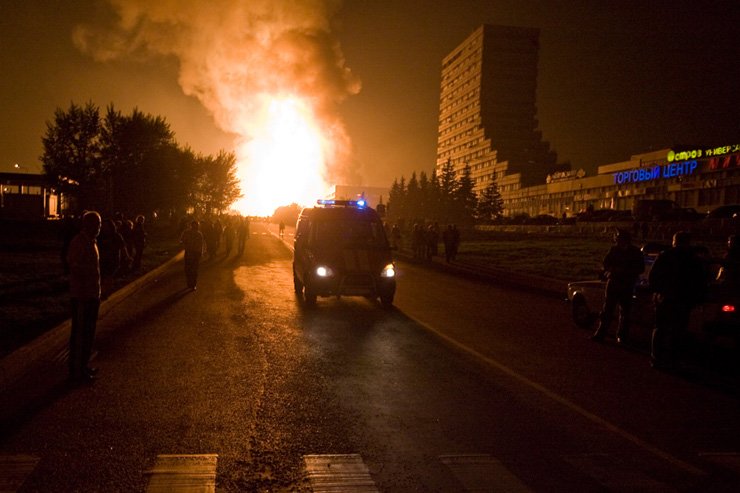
column 543, row 219
column 724, row 212
column 717, row 315
column 654, row 209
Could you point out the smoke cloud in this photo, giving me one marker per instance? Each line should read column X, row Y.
column 235, row 55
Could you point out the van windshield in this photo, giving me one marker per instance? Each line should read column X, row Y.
column 350, row 233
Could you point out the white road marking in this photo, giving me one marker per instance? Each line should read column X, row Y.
column 481, row 472
column 345, row 473
column 565, row 402
column 183, row 473
column 14, row 469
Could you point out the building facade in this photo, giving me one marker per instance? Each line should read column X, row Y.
column 27, row 196
column 702, row 178
column 488, row 112
column 488, row 121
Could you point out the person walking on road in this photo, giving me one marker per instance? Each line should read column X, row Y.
column 193, row 242
column 83, row 259
column 623, row 264
column 678, row 282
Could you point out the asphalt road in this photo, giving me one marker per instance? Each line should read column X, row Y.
column 464, row 386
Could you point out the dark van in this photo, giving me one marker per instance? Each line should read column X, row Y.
column 341, row 250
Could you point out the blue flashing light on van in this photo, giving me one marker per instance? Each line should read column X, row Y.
column 346, row 203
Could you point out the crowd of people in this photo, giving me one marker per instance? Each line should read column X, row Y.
column 97, row 250
column 208, row 237
column 120, row 242
column 679, row 280
column 425, row 239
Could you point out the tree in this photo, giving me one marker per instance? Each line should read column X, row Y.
column 447, row 191
column 217, row 185
column 490, row 204
column 433, row 206
column 465, row 198
column 413, row 198
column 72, row 156
column 134, row 148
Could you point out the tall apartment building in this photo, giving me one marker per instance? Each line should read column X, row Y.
column 488, row 111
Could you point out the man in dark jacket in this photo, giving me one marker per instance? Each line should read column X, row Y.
column 678, row 282
column 623, row 264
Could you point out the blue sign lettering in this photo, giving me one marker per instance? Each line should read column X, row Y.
column 672, row 170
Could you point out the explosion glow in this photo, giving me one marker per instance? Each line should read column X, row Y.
column 269, row 71
column 285, row 160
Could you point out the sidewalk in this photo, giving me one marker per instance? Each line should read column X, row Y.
column 46, row 347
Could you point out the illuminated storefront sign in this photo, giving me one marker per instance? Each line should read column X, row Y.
column 656, row 172
column 699, row 153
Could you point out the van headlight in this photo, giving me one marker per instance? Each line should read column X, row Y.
column 324, row 271
column 388, row 271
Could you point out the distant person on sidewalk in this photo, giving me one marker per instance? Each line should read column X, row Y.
column 678, row 282
column 83, row 259
column 242, row 234
column 113, row 255
column 193, row 242
column 139, row 241
column 623, row 264
column 451, row 239
column 396, row 237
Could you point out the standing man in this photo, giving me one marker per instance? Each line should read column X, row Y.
column 623, row 264
column 678, row 282
column 83, row 259
column 242, row 234
column 192, row 240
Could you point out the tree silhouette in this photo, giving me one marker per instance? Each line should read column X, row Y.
column 132, row 164
column 72, row 156
column 490, row 204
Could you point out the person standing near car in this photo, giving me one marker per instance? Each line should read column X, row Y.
column 678, row 282
column 83, row 259
column 623, row 264
column 729, row 273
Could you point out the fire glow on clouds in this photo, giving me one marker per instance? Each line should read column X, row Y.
column 269, row 71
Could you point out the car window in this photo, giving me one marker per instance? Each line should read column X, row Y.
column 350, row 233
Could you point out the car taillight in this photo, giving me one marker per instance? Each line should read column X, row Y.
column 728, row 308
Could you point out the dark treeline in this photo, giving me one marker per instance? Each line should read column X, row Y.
column 445, row 198
column 132, row 164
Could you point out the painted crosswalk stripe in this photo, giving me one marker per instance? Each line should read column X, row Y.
column 183, row 473
column 614, row 474
column 338, row 473
column 14, row 469
column 481, row 472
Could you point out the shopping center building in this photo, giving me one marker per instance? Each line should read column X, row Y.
column 701, row 178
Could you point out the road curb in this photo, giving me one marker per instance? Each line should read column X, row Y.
column 17, row 364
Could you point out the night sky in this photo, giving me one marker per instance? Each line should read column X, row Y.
column 615, row 77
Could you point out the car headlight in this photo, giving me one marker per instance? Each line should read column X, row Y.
column 324, row 271
column 388, row 271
